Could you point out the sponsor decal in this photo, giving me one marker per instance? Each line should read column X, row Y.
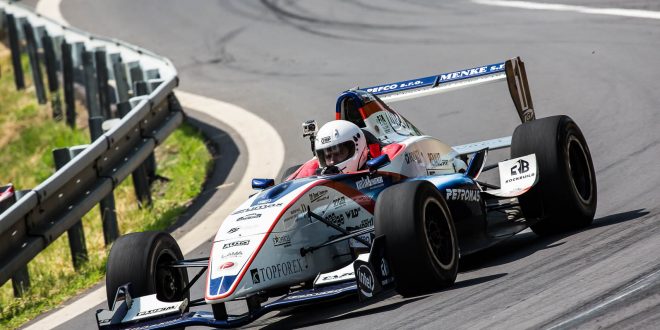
column 468, row 195
column 518, row 175
column 339, row 202
column 365, row 280
column 325, row 139
column 364, row 237
column 383, row 88
column 381, row 120
column 384, row 269
column 249, row 216
column 265, row 201
column 235, row 243
column 408, row 84
column 521, row 166
column 226, row 265
column 157, row 310
column 256, row 208
column 233, row 254
column 233, row 230
column 413, row 156
column 396, row 121
column 363, row 224
column 315, row 294
column 298, row 210
column 318, row 196
column 335, row 219
column 353, row 213
column 385, row 272
column 471, row 72
column 338, row 276
column 436, row 160
column 367, row 182
column 255, row 276
column 433, row 80
column 276, row 271
column 383, row 123
column 525, row 176
column 281, row 240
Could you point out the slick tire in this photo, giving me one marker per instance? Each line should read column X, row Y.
column 421, row 241
column 289, row 171
column 141, row 259
column 565, row 196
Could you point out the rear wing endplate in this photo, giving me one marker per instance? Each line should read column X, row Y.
column 512, row 70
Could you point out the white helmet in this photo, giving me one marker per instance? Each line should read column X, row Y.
column 342, row 144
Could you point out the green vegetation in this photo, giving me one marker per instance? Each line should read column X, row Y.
column 28, row 136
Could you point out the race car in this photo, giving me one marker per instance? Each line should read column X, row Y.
column 380, row 206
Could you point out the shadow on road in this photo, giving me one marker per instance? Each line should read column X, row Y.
column 518, row 247
column 350, row 307
column 527, row 243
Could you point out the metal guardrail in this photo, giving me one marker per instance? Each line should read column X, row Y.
column 56, row 205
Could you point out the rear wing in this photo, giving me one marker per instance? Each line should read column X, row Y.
column 513, row 71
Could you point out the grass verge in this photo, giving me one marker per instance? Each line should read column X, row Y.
column 28, row 134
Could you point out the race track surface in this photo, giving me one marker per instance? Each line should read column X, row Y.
column 288, row 60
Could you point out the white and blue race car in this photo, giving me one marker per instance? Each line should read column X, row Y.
column 401, row 223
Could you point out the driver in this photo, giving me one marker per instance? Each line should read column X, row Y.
column 341, row 147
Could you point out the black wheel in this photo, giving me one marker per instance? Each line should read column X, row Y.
column 420, row 236
column 565, row 196
column 289, row 171
column 141, row 259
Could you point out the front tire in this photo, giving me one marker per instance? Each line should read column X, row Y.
column 141, row 259
column 420, row 237
column 565, row 197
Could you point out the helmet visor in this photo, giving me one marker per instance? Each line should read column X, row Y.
column 331, row 156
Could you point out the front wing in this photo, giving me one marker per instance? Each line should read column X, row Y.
column 204, row 318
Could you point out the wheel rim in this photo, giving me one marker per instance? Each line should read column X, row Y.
column 438, row 235
column 169, row 282
column 580, row 170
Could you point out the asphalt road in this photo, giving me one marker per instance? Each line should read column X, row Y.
column 288, row 60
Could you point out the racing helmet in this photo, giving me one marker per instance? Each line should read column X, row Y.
column 342, row 144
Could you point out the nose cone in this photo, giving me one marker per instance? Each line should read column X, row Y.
column 228, row 260
column 241, row 238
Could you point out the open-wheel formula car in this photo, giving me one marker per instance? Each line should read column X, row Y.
column 400, row 219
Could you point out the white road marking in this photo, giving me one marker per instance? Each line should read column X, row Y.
column 265, row 159
column 578, row 9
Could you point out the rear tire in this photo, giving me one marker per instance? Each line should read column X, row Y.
column 565, row 197
column 139, row 259
column 420, row 236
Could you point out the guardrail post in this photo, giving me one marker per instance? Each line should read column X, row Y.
column 3, row 20
column 135, row 72
column 121, row 82
column 20, row 280
column 68, row 76
column 38, row 81
column 141, row 185
column 75, row 233
column 141, row 89
column 91, row 88
column 141, row 175
column 109, row 218
column 107, row 204
column 14, row 45
column 51, row 72
column 102, row 80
